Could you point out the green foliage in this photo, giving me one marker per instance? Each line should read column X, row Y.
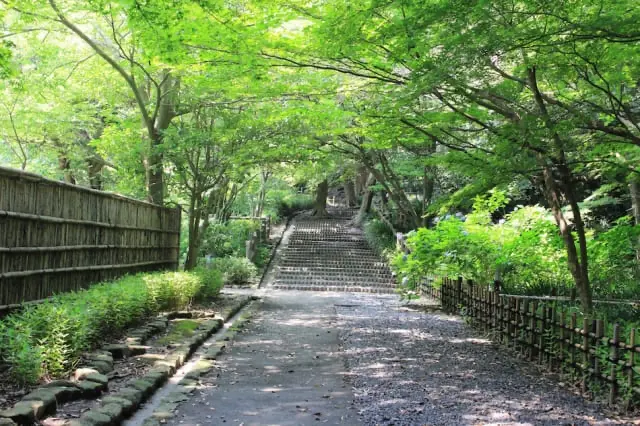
column 178, row 330
column 48, row 339
column 379, row 236
column 235, row 270
column 614, row 264
column 290, row 204
column 228, row 239
column 263, row 254
column 211, row 280
column 524, row 250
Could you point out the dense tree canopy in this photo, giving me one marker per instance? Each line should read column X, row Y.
column 416, row 106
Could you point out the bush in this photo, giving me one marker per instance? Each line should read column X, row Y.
column 235, row 270
column 263, row 255
column 212, row 281
column 228, row 239
column 46, row 340
column 379, row 236
column 292, row 204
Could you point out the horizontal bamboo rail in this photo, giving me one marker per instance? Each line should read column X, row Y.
column 57, row 237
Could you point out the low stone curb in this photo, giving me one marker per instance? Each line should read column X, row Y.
column 114, row 408
column 186, row 386
column 92, row 379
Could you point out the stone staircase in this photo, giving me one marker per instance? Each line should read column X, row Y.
column 330, row 255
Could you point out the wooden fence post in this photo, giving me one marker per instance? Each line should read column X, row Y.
column 632, row 362
column 614, row 357
column 586, row 358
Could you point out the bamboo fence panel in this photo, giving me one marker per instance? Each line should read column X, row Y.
column 56, row 237
column 601, row 357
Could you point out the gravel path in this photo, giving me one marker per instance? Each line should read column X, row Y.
column 415, row 368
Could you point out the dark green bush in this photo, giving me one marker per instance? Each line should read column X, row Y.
column 46, row 340
column 235, row 270
column 379, row 236
column 263, row 254
column 292, row 204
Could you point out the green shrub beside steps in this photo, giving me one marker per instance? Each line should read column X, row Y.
column 47, row 340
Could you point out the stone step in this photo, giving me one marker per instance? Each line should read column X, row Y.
column 336, row 275
column 374, row 271
column 341, row 288
column 330, row 254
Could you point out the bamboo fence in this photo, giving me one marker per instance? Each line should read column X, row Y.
column 602, row 357
column 598, row 355
column 56, row 237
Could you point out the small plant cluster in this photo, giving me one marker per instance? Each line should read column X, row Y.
column 235, row 270
column 228, row 239
column 379, row 236
column 291, row 204
column 47, row 340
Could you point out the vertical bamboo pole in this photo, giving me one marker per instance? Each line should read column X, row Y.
column 614, row 356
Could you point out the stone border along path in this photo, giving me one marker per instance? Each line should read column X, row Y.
column 113, row 408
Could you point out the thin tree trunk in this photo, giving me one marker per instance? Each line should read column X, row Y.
column 320, row 205
column 94, row 171
column 155, row 172
column 65, row 166
column 428, row 183
column 578, row 262
column 194, row 221
column 367, row 198
column 350, row 192
column 264, row 176
column 576, row 267
column 634, row 191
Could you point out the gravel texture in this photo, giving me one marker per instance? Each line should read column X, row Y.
column 416, row 368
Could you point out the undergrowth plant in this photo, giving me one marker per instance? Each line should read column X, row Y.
column 47, row 340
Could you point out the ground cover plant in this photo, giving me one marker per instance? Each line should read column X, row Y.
column 47, row 340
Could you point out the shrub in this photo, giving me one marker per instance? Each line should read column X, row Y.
column 235, row 270
column 263, row 254
column 292, row 204
column 379, row 236
column 46, row 340
column 212, row 281
column 228, row 239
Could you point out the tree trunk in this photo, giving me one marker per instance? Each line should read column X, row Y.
column 94, row 171
column 65, row 166
column 320, row 205
column 577, row 267
column 264, row 176
column 578, row 262
column 155, row 174
column 365, row 207
column 350, row 192
column 428, row 183
column 361, row 180
column 634, row 191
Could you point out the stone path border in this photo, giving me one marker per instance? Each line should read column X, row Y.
column 43, row 401
column 206, row 363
